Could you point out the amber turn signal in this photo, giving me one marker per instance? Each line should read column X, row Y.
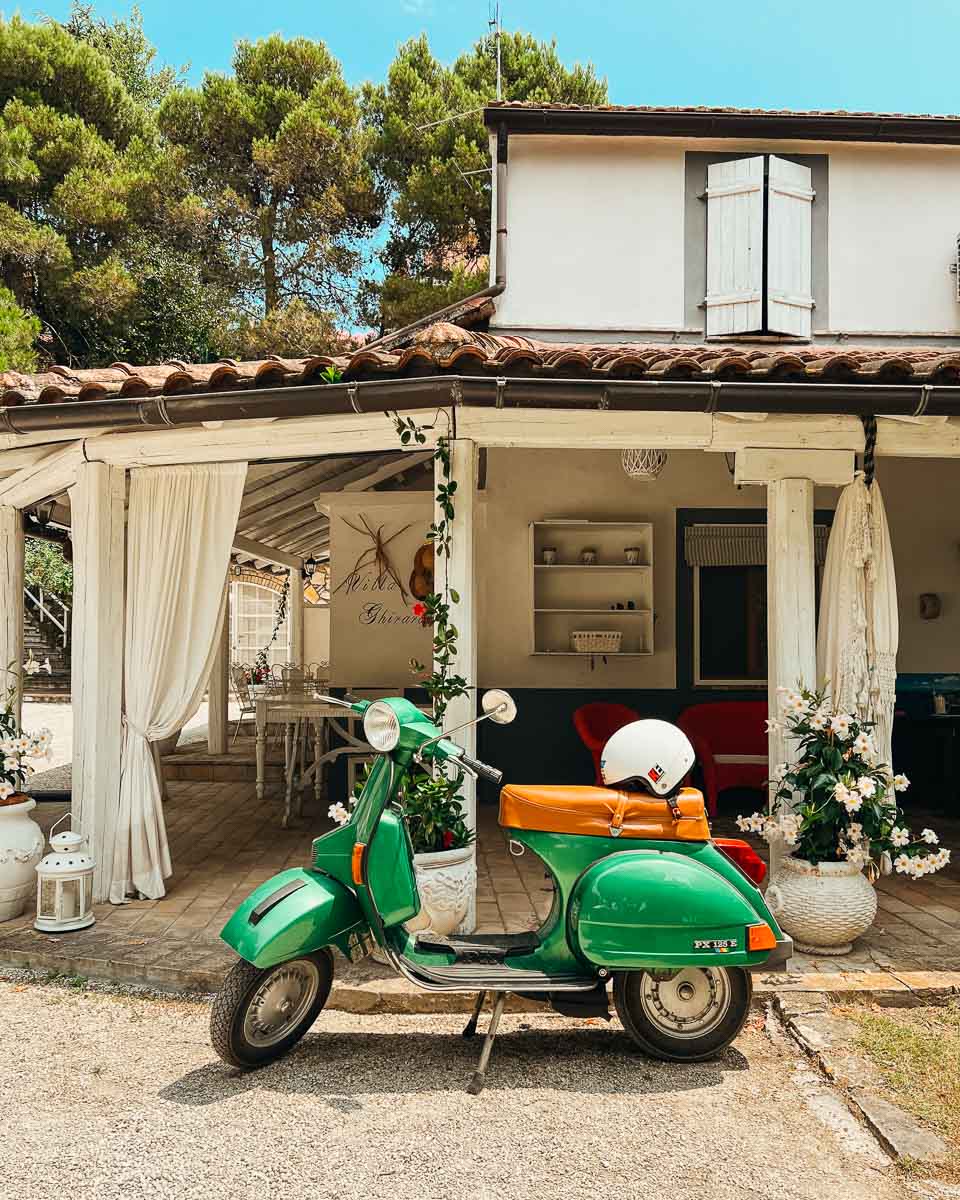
column 356, row 863
column 761, row 937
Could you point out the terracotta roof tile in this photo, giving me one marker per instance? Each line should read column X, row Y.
column 444, row 348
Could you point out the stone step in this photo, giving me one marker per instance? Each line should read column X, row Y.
column 217, row 768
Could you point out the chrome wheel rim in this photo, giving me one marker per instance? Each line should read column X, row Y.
column 280, row 1003
column 691, row 1004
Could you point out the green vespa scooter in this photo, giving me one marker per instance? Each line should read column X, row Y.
column 642, row 896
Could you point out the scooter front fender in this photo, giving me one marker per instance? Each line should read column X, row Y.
column 294, row 913
column 651, row 908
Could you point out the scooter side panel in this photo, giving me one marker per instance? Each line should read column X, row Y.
column 295, row 912
column 650, row 908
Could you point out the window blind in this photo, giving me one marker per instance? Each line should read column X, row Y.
column 739, row 545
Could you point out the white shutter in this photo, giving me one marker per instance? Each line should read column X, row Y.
column 789, row 287
column 734, row 246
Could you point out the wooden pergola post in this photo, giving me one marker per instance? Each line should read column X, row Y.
column 461, row 578
column 218, row 690
column 295, row 609
column 97, row 502
column 11, row 610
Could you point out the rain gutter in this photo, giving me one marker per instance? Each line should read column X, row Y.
column 469, row 391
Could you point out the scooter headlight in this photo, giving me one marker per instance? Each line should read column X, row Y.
column 381, row 727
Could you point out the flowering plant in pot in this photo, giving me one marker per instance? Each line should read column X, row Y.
column 21, row 842
column 845, row 831
column 441, row 839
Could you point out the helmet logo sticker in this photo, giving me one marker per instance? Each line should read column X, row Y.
column 656, row 773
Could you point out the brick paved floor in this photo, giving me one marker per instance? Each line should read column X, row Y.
column 224, row 842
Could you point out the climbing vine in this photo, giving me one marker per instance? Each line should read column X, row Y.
column 261, row 664
column 443, row 684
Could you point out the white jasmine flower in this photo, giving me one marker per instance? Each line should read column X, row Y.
column 866, row 786
column 929, row 837
column 11, row 763
column 901, row 783
column 5, row 791
column 6, row 746
column 21, row 745
column 819, row 720
column 743, row 824
column 852, row 802
column 31, row 666
column 854, row 831
column 772, row 727
column 899, row 836
column 901, row 864
column 779, row 772
column 856, row 855
column 47, row 667
column 792, row 702
column 840, row 724
column 862, row 744
column 337, row 812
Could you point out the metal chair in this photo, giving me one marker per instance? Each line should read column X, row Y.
column 240, row 678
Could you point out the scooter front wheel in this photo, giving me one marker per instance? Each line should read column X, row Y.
column 259, row 1014
column 687, row 1016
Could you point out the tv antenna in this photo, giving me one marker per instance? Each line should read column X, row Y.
column 497, row 30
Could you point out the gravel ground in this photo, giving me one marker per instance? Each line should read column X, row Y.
column 116, row 1095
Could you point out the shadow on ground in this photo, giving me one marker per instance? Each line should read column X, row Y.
column 339, row 1067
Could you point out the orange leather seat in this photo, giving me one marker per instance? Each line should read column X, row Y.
column 603, row 812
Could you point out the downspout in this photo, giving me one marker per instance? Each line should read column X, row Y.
column 499, row 249
column 471, row 391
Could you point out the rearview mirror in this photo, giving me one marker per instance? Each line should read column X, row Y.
column 499, row 706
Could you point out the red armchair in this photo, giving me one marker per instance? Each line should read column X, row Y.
column 730, row 742
column 595, row 723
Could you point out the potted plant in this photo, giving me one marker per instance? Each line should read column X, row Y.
column 21, row 840
column 843, row 833
column 442, row 855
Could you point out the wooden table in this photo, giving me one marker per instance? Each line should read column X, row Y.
column 292, row 709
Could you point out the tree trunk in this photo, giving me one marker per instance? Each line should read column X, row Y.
column 271, row 286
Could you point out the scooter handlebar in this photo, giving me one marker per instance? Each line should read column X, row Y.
column 484, row 770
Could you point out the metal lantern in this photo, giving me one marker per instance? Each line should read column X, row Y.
column 65, row 884
column 643, row 464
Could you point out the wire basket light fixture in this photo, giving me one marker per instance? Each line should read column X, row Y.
column 643, row 464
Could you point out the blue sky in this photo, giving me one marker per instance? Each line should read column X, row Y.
column 817, row 54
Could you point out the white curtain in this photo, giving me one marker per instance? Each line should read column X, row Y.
column 180, row 532
column 859, row 623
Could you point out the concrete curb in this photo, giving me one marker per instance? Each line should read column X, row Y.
column 826, row 1040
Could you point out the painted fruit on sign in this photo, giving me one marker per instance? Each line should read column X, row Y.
column 421, row 577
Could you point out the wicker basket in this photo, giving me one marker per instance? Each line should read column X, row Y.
column 595, row 641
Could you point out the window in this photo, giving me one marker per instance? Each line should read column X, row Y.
column 759, row 247
column 253, row 610
column 728, row 581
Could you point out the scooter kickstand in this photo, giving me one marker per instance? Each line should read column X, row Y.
column 471, row 1027
column 475, row 1086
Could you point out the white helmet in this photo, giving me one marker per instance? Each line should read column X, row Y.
column 651, row 754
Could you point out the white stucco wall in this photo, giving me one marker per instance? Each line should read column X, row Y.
column 894, row 219
column 316, row 634
column 596, row 234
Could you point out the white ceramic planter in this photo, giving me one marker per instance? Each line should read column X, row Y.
column 21, row 848
column 447, row 881
column 822, row 907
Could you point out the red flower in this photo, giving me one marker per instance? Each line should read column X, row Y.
column 420, row 610
column 447, row 839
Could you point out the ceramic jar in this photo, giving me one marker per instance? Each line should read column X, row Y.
column 21, row 848
column 446, row 881
column 822, row 907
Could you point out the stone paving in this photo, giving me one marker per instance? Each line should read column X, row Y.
column 224, row 842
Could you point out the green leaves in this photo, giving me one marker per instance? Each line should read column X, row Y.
column 433, row 809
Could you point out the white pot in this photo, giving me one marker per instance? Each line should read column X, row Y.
column 21, row 848
column 447, row 881
column 822, row 907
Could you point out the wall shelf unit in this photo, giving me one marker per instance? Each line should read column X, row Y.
column 569, row 595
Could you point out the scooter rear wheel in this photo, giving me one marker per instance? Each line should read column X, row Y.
column 691, row 1016
column 259, row 1014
